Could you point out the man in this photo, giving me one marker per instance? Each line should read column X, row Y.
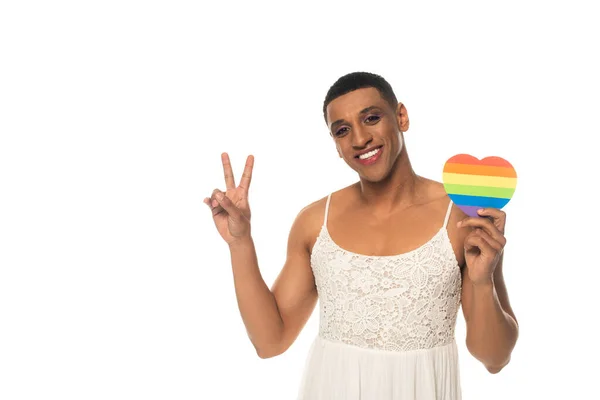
column 389, row 257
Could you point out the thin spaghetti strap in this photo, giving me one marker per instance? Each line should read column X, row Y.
column 448, row 214
column 326, row 210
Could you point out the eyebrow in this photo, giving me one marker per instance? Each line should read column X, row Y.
column 364, row 111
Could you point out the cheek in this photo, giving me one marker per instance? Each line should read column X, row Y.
column 400, row 143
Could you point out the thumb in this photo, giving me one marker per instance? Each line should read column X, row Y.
column 227, row 205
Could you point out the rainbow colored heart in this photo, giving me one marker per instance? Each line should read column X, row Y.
column 473, row 184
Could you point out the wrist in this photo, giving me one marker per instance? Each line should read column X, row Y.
column 240, row 242
column 486, row 282
column 484, row 288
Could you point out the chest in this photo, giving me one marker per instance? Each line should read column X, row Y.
column 389, row 237
column 422, row 273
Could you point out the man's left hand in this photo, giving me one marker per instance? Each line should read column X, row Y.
column 484, row 245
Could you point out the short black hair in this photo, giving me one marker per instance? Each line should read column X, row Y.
column 359, row 80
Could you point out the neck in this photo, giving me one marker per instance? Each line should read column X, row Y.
column 397, row 189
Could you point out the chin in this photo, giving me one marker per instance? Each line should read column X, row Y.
column 373, row 178
column 373, row 174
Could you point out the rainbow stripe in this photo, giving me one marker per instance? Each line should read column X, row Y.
column 473, row 184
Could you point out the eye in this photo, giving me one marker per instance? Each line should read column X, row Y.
column 373, row 118
column 341, row 131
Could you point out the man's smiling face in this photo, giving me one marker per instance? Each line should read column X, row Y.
column 366, row 131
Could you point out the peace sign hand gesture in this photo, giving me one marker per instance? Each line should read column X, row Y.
column 230, row 210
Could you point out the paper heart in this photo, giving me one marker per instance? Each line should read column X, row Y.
column 473, row 184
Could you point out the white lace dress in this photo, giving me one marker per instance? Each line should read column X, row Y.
column 386, row 323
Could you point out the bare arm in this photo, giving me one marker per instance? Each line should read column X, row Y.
column 492, row 328
column 274, row 318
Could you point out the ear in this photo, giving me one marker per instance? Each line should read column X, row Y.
column 402, row 117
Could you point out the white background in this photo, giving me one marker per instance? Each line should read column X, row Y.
column 114, row 283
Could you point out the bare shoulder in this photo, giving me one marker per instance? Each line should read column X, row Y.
column 311, row 218
column 440, row 199
column 434, row 196
column 309, row 221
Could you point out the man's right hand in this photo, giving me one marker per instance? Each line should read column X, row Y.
column 230, row 209
column 273, row 317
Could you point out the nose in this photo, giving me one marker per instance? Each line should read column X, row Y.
column 361, row 138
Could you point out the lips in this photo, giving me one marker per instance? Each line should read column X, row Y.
column 367, row 151
column 369, row 156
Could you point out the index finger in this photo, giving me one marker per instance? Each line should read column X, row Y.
column 229, row 180
column 247, row 175
column 484, row 224
column 497, row 216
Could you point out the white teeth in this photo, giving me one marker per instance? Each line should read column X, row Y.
column 369, row 154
